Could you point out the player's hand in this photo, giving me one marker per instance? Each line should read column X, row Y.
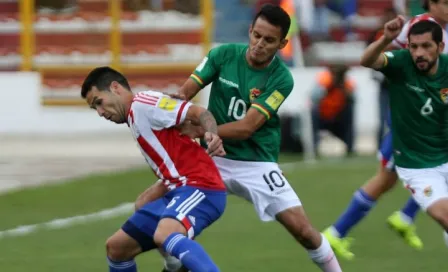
column 174, row 95
column 214, row 144
column 393, row 28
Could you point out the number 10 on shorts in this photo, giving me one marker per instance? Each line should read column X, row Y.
column 274, row 180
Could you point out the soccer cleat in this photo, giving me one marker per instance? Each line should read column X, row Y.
column 341, row 246
column 405, row 230
column 182, row 269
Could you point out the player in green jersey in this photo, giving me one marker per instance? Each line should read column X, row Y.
column 249, row 83
column 419, row 111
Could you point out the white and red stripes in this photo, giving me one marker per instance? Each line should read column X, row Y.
column 146, row 99
column 183, row 209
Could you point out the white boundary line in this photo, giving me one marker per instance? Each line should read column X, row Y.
column 62, row 223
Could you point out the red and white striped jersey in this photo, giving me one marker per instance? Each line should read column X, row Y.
column 402, row 40
column 176, row 159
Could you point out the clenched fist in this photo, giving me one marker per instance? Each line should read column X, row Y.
column 393, row 28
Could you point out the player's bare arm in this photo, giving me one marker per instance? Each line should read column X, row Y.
column 188, row 90
column 206, row 121
column 373, row 55
column 238, row 130
column 154, row 192
column 244, row 128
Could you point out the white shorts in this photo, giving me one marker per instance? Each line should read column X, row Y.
column 261, row 183
column 427, row 185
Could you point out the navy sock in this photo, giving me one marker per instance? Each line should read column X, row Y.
column 358, row 208
column 190, row 253
column 411, row 208
column 127, row 266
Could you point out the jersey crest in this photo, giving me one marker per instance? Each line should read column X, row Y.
column 444, row 95
column 254, row 93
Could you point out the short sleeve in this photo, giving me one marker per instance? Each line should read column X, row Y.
column 160, row 110
column 208, row 69
column 394, row 61
column 270, row 100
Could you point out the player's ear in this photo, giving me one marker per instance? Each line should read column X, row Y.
column 441, row 47
column 115, row 87
column 250, row 29
column 283, row 43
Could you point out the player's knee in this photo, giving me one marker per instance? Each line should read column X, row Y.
column 296, row 222
column 115, row 249
column 439, row 211
column 121, row 247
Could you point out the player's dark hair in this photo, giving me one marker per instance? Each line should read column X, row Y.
column 101, row 78
column 425, row 5
column 426, row 26
column 276, row 16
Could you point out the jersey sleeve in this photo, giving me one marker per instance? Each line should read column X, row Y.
column 275, row 94
column 394, row 63
column 208, row 69
column 160, row 111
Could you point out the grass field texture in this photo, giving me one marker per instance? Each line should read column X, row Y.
column 237, row 242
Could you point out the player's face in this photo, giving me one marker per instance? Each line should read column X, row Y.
column 108, row 105
column 425, row 51
column 265, row 40
column 440, row 10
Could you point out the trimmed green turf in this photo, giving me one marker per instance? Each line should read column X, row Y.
column 238, row 242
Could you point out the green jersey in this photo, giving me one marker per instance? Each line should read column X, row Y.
column 236, row 87
column 419, row 114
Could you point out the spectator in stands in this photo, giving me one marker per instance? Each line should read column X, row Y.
column 333, row 105
column 383, row 93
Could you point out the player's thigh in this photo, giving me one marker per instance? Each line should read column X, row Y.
column 230, row 170
column 268, row 188
column 142, row 225
column 195, row 209
column 426, row 185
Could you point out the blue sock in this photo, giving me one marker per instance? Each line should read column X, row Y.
column 127, row 266
column 190, row 253
column 359, row 207
column 411, row 208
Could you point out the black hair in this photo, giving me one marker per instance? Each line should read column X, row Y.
column 101, row 78
column 426, row 26
column 276, row 16
column 425, row 5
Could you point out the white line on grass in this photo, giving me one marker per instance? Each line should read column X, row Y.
column 122, row 209
column 61, row 223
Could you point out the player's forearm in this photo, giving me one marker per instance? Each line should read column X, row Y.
column 156, row 191
column 208, row 122
column 235, row 131
column 373, row 52
column 189, row 89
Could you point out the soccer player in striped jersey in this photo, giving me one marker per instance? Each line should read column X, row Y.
column 190, row 194
column 385, row 179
